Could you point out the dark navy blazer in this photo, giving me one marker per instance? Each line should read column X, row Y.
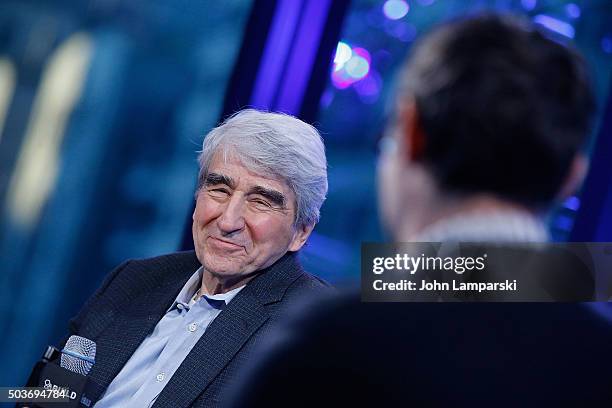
column 135, row 296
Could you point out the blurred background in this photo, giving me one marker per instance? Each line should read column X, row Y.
column 104, row 104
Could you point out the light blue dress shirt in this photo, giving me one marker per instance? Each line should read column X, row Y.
column 154, row 362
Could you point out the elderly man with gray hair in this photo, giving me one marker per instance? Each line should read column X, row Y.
column 175, row 329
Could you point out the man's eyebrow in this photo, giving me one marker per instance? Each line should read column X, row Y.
column 215, row 179
column 275, row 196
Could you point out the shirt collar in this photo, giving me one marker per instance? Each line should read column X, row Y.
column 219, row 300
column 498, row 226
column 192, row 285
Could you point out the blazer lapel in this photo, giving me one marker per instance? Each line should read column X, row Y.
column 133, row 323
column 226, row 335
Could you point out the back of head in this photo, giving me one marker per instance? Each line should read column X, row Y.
column 503, row 108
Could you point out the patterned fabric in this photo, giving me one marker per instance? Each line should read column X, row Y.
column 137, row 294
column 506, row 226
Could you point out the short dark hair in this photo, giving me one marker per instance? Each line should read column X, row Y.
column 504, row 109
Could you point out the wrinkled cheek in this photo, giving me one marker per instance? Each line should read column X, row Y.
column 201, row 219
column 204, row 213
column 268, row 230
column 196, row 228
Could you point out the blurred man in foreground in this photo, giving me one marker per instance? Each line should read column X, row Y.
column 175, row 330
column 490, row 120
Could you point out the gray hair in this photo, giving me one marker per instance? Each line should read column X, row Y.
column 277, row 144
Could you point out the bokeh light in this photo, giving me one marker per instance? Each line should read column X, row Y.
column 350, row 65
column 362, row 52
column 529, row 4
column 343, row 54
column 572, row 10
column 341, row 80
column 359, row 64
column 369, row 88
column 558, row 26
column 357, row 67
column 573, row 203
column 395, row 9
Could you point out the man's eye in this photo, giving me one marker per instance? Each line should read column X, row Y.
column 262, row 203
column 218, row 192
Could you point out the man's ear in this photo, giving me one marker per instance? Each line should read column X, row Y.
column 300, row 236
column 411, row 131
column 576, row 174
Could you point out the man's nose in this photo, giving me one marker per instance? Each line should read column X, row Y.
column 232, row 218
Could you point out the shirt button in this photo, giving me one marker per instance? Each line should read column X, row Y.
column 192, row 327
column 160, row 377
column 179, row 306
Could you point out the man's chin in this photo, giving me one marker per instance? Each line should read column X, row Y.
column 223, row 270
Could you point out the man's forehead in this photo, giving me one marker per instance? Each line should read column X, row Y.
column 230, row 166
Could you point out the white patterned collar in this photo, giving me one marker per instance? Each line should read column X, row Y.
column 498, row 226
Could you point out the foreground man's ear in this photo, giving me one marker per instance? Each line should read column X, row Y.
column 411, row 131
column 575, row 176
column 300, row 236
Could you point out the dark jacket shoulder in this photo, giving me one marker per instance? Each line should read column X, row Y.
column 131, row 278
